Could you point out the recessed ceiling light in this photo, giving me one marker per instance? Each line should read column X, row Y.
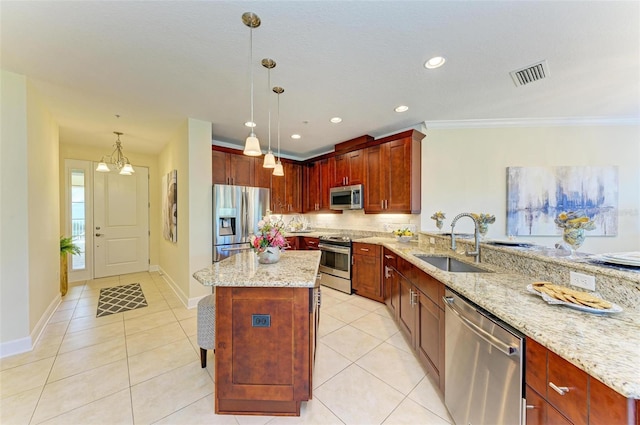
column 336, row 120
column 435, row 62
column 296, row 136
column 401, row 108
column 250, row 124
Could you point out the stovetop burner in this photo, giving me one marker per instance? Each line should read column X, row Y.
column 343, row 240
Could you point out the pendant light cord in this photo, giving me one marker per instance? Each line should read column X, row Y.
column 251, row 69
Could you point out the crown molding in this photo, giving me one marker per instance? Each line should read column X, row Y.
column 531, row 122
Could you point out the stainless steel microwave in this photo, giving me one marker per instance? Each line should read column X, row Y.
column 346, row 197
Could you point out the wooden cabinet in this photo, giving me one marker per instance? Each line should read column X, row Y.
column 308, row 243
column 265, row 339
column 317, row 177
column 261, row 175
column 557, row 392
column 229, row 168
column 349, row 168
column 415, row 300
column 393, row 175
column 286, row 190
column 293, row 242
column 366, row 273
column 390, row 281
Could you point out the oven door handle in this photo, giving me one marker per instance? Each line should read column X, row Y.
column 333, row 248
column 507, row 349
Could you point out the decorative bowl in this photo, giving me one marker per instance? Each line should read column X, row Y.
column 404, row 239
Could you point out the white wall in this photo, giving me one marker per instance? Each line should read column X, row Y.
column 465, row 170
column 29, row 215
column 189, row 152
column 14, row 217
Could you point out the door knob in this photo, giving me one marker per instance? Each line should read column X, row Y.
column 98, row 234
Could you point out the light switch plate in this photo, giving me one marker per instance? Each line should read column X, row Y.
column 585, row 281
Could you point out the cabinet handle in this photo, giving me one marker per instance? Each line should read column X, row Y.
column 559, row 390
column 386, row 272
column 382, row 204
column 411, row 297
column 389, row 257
column 364, row 249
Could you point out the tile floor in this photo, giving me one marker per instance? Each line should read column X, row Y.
column 142, row 367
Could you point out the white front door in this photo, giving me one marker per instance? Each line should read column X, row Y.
column 121, row 222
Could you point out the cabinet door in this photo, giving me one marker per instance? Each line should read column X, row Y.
column 278, row 193
column 406, row 313
column 326, row 175
column 398, row 170
column 341, row 170
column 536, row 366
column 311, row 195
column 293, row 184
column 536, row 408
column 573, row 403
column 261, row 175
column 430, row 337
column 390, row 281
column 606, row 406
column 241, row 170
column 356, row 167
column 375, row 189
column 293, row 242
column 219, row 167
column 366, row 279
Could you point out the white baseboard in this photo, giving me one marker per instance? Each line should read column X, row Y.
column 188, row 302
column 22, row 345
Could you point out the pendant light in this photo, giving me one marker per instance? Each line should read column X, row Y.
column 269, row 159
column 252, row 144
column 278, row 171
column 116, row 158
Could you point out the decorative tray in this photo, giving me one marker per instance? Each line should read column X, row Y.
column 623, row 258
column 550, row 300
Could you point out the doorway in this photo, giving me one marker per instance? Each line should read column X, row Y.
column 107, row 214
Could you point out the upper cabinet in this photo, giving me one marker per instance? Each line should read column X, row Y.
column 286, row 190
column 393, row 174
column 317, row 179
column 349, row 168
column 229, row 168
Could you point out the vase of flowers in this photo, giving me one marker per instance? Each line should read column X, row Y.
column 573, row 225
column 484, row 220
column 269, row 240
column 438, row 216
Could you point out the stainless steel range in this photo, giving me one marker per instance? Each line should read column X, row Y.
column 335, row 262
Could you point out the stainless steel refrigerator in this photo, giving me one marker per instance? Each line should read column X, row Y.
column 236, row 213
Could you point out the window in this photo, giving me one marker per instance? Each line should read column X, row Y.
column 78, row 220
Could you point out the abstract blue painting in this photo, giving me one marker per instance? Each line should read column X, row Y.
column 536, row 195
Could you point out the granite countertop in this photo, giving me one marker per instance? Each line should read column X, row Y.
column 607, row 347
column 296, row 269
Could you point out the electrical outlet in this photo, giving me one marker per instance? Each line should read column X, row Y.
column 585, row 281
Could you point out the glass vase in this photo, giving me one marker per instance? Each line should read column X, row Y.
column 270, row 255
column 483, row 228
column 439, row 224
column 574, row 238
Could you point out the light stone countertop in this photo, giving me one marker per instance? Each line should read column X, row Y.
column 296, row 269
column 607, row 347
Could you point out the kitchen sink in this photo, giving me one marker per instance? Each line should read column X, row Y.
column 450, row 264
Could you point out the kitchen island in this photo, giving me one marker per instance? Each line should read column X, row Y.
column 266, row 322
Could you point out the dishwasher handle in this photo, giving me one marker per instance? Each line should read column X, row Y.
column 507, row 349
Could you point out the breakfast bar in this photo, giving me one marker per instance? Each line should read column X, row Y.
column 266, row 322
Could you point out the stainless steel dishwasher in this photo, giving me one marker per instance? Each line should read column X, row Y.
column 483, row 366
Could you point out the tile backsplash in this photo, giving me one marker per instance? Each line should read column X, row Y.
column 358, row 220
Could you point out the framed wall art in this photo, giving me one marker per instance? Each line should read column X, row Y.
column 536, row 195
column 170, row 206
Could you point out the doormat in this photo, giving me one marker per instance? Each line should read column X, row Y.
column 120, row 298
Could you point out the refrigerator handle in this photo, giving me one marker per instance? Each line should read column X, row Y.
column 245, row 231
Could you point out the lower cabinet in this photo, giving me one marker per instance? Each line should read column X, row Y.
column 366, row 271
column 415, row 300
column 557, row 392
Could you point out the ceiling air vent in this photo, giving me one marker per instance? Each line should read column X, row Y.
column 531, row 73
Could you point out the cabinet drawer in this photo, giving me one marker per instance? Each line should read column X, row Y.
column 366, row 249
column 607, row 407
column 430, row 286
column 536, row 408
column 390, row 259
column 571, row 381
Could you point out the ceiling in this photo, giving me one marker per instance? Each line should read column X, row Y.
column 155, row 63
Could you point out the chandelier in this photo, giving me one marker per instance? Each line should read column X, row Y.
column 116, row 158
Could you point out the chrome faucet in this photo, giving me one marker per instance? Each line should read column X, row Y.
column 476, row 252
